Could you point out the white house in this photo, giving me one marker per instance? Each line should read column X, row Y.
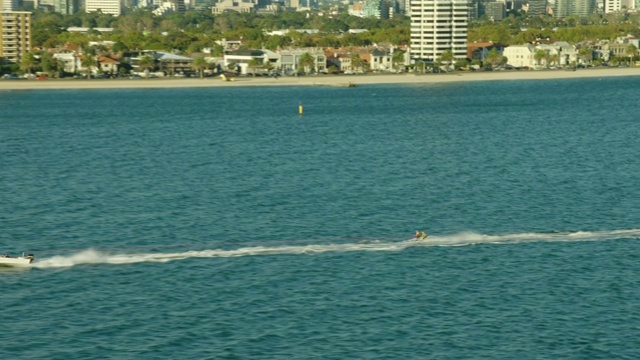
column 524, row 55
column 519, row 55
column 241, row 58
column 70, row 60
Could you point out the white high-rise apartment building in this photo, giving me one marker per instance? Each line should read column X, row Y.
column 438, row 26
column 113, row 7
column 612, row 6
column 617, row 5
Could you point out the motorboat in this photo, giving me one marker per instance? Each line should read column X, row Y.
column 15, row 261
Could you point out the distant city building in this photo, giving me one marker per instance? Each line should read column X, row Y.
column 84, row 30
column 487, row 8
column 113, row 7
column 9, row 5
column 241, row 6
column 168, row 7
column 438, row 26
column 584, row 8
column 43, row 4
column 515, row 4
column 356, row 9
column 619, row 5
column 15, row 38
column 66, row 7
column 537, row 7
column 562, row 8
column 380, row 9
column 495, row 11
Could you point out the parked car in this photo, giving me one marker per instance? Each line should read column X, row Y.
column 10, row 77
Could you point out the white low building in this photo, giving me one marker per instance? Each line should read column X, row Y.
column 520, row 55
column 524, row 55
column 70, row 60
column 113, row 7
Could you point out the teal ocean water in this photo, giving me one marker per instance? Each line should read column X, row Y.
column 219, row 224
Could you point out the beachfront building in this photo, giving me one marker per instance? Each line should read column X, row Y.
column 559, row 53
column 113, row 7
column 15, row 37
column 340, row 61
column 290, row 60
column 70, row 60
column 240, row 59
column 520, row 56
column 480, row 50
column 376, row 59
column 438, row 26
column 173, row 64
column 380, row 59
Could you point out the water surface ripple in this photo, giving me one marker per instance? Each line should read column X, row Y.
column 219, row 224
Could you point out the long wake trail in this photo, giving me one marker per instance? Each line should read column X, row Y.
column 92, row 256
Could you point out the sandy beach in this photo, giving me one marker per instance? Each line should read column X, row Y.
column 320, row 80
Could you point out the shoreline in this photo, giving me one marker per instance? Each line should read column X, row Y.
column 313, row 80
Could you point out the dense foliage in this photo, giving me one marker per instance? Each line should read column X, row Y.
column 192, row 31
column 521, row 29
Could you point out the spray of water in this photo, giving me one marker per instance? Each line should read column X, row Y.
column 91, row 256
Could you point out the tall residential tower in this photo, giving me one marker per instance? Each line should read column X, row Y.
column 438, row 26
column 15, row 38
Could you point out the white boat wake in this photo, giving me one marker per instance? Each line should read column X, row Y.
column 92, row 256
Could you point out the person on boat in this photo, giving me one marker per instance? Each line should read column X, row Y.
column 417, row 235
column 423, row 235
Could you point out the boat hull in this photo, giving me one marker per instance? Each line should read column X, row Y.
column 15, row 261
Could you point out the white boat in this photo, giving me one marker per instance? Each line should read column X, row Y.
column 11, row 261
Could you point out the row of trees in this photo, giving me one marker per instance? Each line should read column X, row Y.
column 518, row 29
column 192, row 31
